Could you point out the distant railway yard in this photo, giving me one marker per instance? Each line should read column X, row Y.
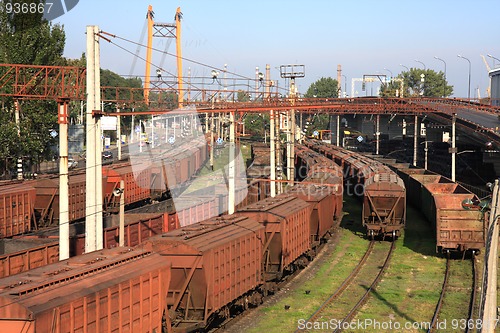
column 189, row 197
column 320, row 256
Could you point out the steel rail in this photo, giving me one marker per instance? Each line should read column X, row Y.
column 472, row 304
column 374, row 284
column 439, row 304
column 344, row 284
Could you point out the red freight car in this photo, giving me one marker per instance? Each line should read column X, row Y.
column 214, row 264
column 22, row 254
column 384, row 204
column 17, row 203
column 137, row 186
column 323, row 212
column 286, row 219
column 47, row 199
column 104, row 291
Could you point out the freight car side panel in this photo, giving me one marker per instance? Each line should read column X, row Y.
column 457, row 228
column 124, row 296
column 213, row 263
column 20, row 261
column 16, row 210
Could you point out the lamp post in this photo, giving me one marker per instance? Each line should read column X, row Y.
column 444, row 83
column 385, row 69
column 345, row 85
column 405, row 67
column 425, row 68
column 492, row 57
column 460, row 56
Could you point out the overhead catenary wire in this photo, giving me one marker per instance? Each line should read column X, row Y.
column 224, row 70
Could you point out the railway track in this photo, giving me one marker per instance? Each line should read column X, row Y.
column 323, row 309
column 472, row 304
column 470, row 317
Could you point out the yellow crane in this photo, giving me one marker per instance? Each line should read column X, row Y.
column 488, row 90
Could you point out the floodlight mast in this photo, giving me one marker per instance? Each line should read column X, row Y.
column 291, row 72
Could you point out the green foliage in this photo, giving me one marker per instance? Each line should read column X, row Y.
column 28, row 39
column 323, row 88
column 434, row 84
column 256, row 124
column 243, row 96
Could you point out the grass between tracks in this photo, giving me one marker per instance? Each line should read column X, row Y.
column 407, row 293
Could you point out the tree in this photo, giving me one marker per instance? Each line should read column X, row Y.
column 26, row 38
column 323, row 88
column 257, row 124
column 434, row 84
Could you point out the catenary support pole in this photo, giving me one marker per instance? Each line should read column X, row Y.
column 93, row 210
column 415, row 141
column 118, row 134
column 62, row 106
column 453, row 146
column 272, row 139
column 377, row 133
column 121, row 236
column 231, row 171
column 338, row 130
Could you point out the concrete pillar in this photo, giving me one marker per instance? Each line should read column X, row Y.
column 453, row 147
column 231, row 171
column 63, row 180
column 415, row 141
column 118, row 134
column 121, row 236
column 93, row 211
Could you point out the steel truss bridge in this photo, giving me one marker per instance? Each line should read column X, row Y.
column 22, row 82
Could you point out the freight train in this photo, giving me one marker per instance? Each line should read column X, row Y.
column 458, row 216
column 383, row 192
column 34, row 204
column 184, row 279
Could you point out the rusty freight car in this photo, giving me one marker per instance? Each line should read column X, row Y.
column 384, row 204
column 103, row 291
column 17, row 202
column 383, row 192
column 216, row 265
column 287, row 222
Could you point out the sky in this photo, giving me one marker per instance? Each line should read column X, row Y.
column 364, row 37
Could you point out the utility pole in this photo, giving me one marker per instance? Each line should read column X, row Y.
column 339, row 80
column 291, row 72
column 377, row 133
column 453, row 149
column 212, row 142
column 17, row 117
column 415, row 141
column 62, row 116
column 119, row 134
column 231, row 168
column 338, row 130
column 272, row 139
column 121, row 236
column 93, row 210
